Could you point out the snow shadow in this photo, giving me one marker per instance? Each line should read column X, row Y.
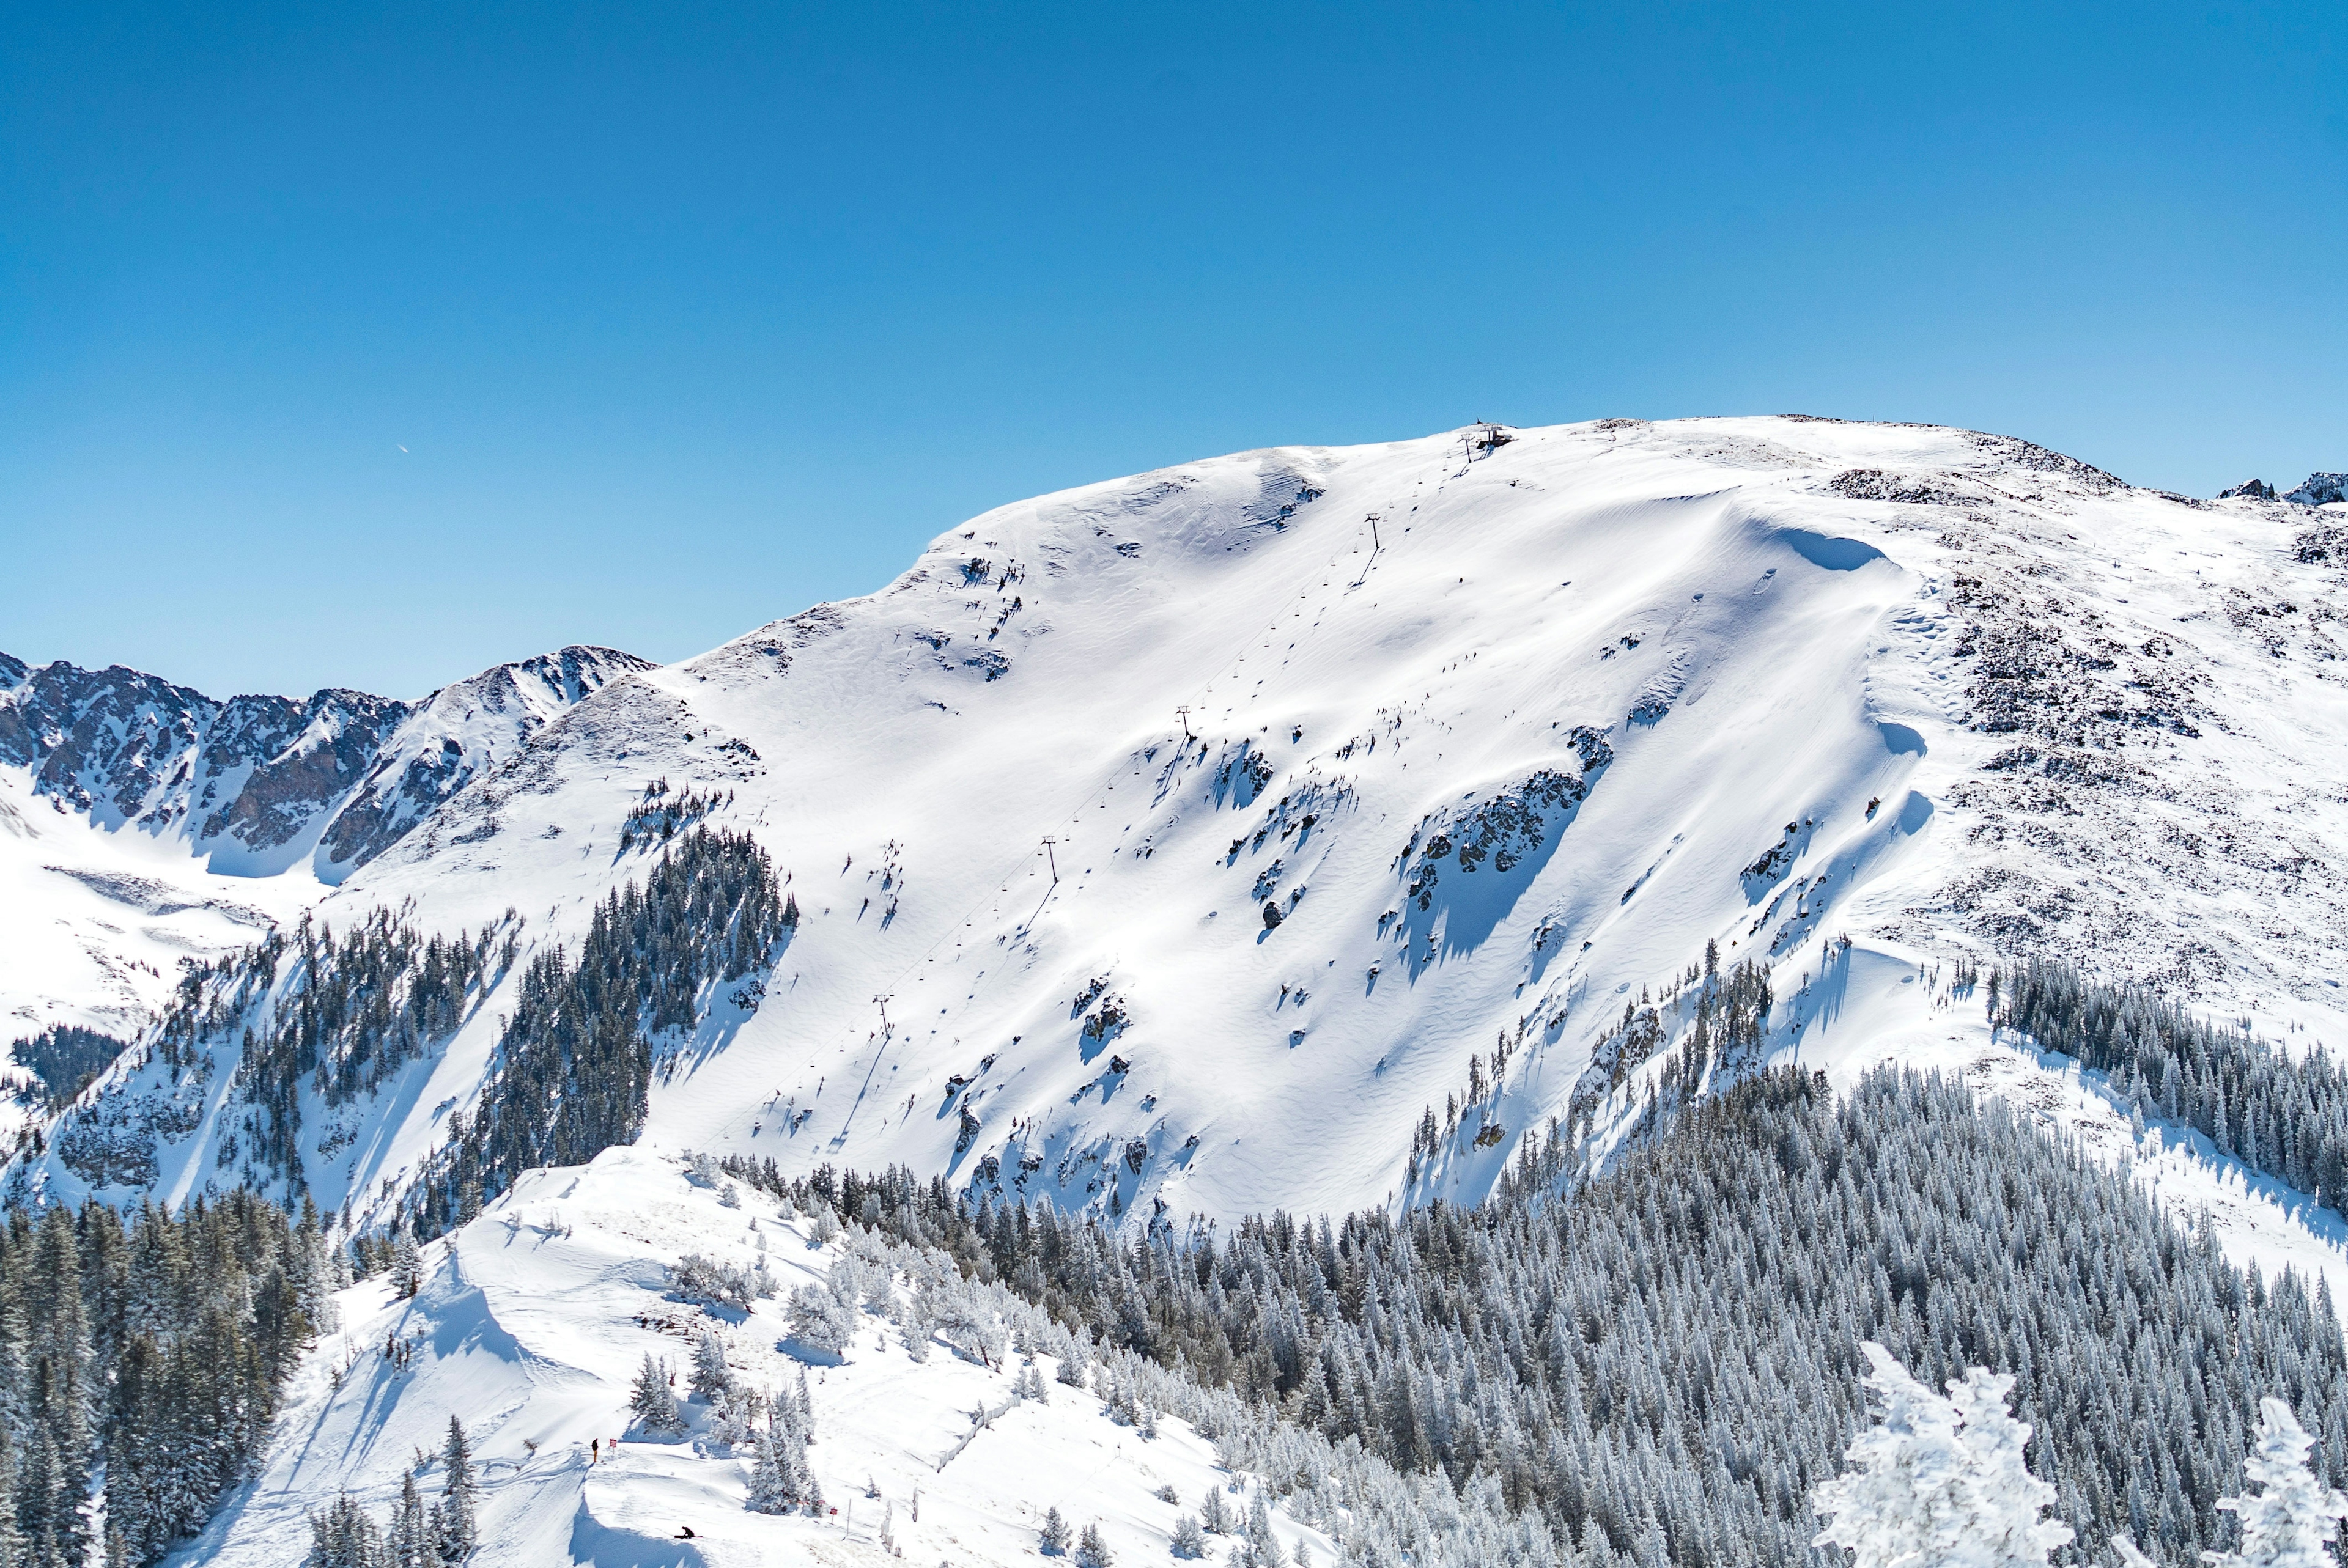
column 594, row 1544
column 1474, row 865
column 730, row 1004
column 1831, row 553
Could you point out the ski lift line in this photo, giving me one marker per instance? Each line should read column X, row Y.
column 1003, row 884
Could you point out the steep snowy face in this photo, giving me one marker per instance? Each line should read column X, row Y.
column 242, row 779
column 1183, row 840
column 452, row 737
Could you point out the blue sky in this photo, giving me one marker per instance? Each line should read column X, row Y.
column 690, row 316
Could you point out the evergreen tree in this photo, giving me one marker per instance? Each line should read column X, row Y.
column 1092, row 1551
column 1054, row 1537
column 770, row 1488
column 453, row 1529
column 412, row 1541
column 820, row 1320
column 2294, row 1519
column 653, row 1403
column 406, row 1264
column 712, row 1379
column 1189, row 1540
column 1259, row 1538
column 1939, row 1481
column 344, row 1537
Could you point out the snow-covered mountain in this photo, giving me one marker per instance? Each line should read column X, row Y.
column 142, row 821
column 1180, row 840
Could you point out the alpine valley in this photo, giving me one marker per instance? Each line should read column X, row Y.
column 1406, row 1003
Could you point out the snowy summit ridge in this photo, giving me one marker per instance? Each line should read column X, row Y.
column 1177, row 842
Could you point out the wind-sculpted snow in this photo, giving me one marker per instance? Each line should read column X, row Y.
column 952, row 1419
column 1221, row 714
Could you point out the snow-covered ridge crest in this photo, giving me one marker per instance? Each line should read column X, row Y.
column 1943, row 694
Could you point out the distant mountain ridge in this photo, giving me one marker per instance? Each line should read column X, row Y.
column 254, row 784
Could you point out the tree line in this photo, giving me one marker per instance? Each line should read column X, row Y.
column 1664, row 1362
column 2286, row 1117
column 572, row 1073
column 150, row 1348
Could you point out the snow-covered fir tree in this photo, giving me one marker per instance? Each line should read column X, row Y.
column 1054, row 1536
column 653, row 1403
column 820, row 1320
column 770, row 1485
column 1939, row 1481
column 411, row 1540
column 2293, row 1518
column 343, row 1536
column 453, row 1528
column 406, row 1264
column 712, row 1378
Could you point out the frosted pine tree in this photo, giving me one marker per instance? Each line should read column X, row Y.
column 820, row 1320
column 406, row 1264
column 2294, row 1519
column 711, row 1378
column 739, row 1411
column 1259, row 1538
column 1054, row 1537
column 1189, row 1540
column 2003, row 1498
column 1939, row 1481
column 1092, row 1551
column 653, row 1403
column 344, row 1537
column 412, row 1543
column 314, row 1261
column 452, row 1522
column 770, row 1491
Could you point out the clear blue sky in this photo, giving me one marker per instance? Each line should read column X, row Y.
column 688, row 317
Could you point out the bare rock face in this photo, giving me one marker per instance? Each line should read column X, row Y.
column 253, row 783
column 2319, row 490
column 2248, row 490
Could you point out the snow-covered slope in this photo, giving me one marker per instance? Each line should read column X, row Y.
column 1178, row 840
column 94, row 922
column 535, row 1318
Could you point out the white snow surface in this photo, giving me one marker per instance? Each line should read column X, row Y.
column 529, row 1328
column 95, row 922
column 1939, row 692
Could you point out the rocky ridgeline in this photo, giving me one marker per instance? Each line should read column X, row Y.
column 253, row 781
column 2316, row 490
